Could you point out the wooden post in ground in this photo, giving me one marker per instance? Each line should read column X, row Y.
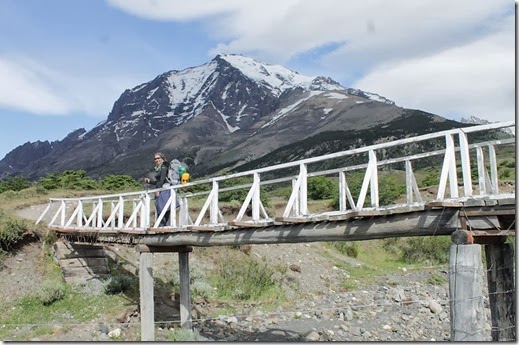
column 466, row 289
column 501, row 290
column 185, row 294
column 146, row 296
column 146, row 287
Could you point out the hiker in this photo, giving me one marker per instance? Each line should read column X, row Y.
column 161, row 176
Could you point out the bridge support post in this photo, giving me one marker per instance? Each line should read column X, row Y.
column 501, row 290
column 466, row 291
column 185, row 294
column 146, row 287
column 146, row 296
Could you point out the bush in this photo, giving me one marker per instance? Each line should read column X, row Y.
column 426, row 249
column 202, row 289
column 14, row 184
column 431, row 179
column 244, row 279
column 11, row 231
column 121, row 284
column 350, row 249
column 118, row 182
column 182, row 334
column 51, row 291
column 321, row 187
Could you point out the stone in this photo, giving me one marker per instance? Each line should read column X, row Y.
column 312, row 336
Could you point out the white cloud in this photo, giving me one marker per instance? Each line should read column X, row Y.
column 32, row 86
column 23, row 87
column 473, row 79
column 437, row 55
column 177, row 9
column 443, row 56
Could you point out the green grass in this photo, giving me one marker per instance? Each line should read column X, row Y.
column 77, row 307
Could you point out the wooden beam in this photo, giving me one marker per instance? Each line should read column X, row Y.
column 432, row 222
column 501, row 290
column 466, row 293
column 185, row 294
column 146, row 297
column 142, row 248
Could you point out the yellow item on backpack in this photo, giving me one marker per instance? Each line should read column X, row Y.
column 184, row 178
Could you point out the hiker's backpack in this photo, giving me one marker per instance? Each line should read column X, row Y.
column 177, row 172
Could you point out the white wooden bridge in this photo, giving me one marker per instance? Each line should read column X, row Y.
column 469, row 204
column 134, row 213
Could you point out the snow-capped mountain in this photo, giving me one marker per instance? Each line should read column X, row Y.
column 228, row 111
column 474, row 120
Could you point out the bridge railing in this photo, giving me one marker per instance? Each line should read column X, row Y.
column 135, row 211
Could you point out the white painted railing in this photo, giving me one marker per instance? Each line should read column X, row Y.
column 136, row 212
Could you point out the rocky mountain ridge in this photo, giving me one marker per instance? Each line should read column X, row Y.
column 222, row 114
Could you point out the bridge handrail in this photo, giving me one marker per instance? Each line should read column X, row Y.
column 297, row 203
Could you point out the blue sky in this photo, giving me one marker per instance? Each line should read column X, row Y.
column 64, row 63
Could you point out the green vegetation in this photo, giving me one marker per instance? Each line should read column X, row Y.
column 244, row 278
column 436, row 279
column 72, row 308
column 182, row 335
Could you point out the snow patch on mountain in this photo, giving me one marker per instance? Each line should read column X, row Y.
column 478, row 121
column 283, row 112
column 277, row 78
column 335, row 95
column 231, row 129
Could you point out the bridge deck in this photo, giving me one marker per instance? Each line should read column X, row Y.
column 483, row 217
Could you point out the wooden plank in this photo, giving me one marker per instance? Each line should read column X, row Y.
column 294, row 219
column 338, row 217
column 443, row 203
column 82, row 262
column 208, row 228
column 493, row 233
column 487, row 212
column 473, row 202
column 506, row 201
column 250, row 224
column 82, row 271
column 141, row 248
column 490, row 202
column 67, row 251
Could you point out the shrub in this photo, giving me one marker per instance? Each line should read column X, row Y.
column 201, row 288
column 51, row 291
column 120, row 284
column 432, row 178
column 321, row 187
column 51, row 181
column 14, row 184
column 350, row 249
column 182, row 334
column 11, row 232
column 244, row 279
column 426, row 249
column 118, row 182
